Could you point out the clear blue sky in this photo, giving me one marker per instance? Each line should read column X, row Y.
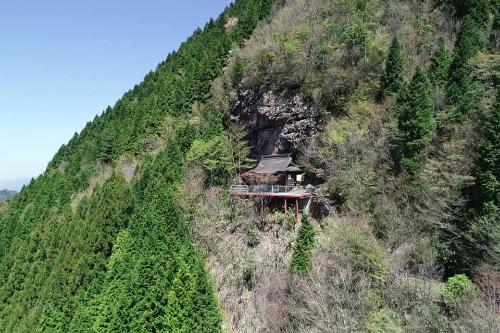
column 64, row 61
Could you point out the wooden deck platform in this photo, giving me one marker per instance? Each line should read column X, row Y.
column 290, row 195
column 269, row 191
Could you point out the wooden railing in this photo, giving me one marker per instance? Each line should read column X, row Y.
column 263, row 188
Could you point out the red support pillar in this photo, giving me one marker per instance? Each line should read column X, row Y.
column 297, row 210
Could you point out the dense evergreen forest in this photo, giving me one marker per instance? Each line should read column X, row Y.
column 84, row 248
column 130, row 228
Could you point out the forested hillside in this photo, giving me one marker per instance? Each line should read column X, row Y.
column 98, row 242
column 406, row 228
column 131, row 229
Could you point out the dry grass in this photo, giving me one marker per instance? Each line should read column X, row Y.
column 62, row 166
column 103, row 173
column 3, row 207
column 127, row 166
column 248, row 259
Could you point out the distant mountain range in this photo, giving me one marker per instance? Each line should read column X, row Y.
column 14, row 184
column 6, row 194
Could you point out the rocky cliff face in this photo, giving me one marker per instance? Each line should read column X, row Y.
column 278, row 121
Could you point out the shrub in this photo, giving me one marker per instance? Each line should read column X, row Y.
column 383, row 321
column 457, row 291
column 215, row 157
column 365, row 254
column 247, row 277
column 237, row 72
column 279, row 217
column 253, row 236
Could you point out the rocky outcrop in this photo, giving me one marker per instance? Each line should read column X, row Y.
column 279, row 122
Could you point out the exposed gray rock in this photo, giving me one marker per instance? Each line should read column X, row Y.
column 279, row 122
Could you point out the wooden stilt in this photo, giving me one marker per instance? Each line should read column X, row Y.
column 286, row 207
column 297, row 211
column 262, row 206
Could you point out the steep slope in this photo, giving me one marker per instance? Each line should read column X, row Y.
column 98, row 243
column 390, row 106
column 397, row 99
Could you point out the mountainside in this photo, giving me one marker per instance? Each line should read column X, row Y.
column 390, row 107
column 6, row 194
column 98, row 242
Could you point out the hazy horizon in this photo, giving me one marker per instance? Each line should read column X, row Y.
column 13, row 184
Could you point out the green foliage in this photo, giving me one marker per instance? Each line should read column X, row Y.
column 321, row 55
column 416, row 124
column 364, row 253
column 301, row 259
column 456, row 291
column 76, row 265
column 252, row 236
column 495, row 33
column 247, row 277
column 237, row 72
column 488, row 172
column 278, row 217
column 180, row 300
column 212, row 124
column 440, row 64
column 82, row 250
column 485, row 232
column 240, row 147
column 393, row 80
column 288, row 45
column 460, row 88
column 156, row 280
column 215, row 157
column 355, row 36
column 478, row 10
column 423, row 26
column 383, row 321
column 485, row 236
column 347, row 148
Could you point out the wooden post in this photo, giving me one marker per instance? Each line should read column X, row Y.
column 286, row 207
column 297, row 210
column 262, row 206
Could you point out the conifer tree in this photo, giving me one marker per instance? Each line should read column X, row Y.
column 393, row 77
column 92, row 283
column 237, row 72
column 440, row 64
column 495, row 33
column 482, row 241
column 238, row 137
column 301, row 259
column 478, row 10
column 416, row 123
column 179, row 313
column 460, row 86
column 488, row 170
